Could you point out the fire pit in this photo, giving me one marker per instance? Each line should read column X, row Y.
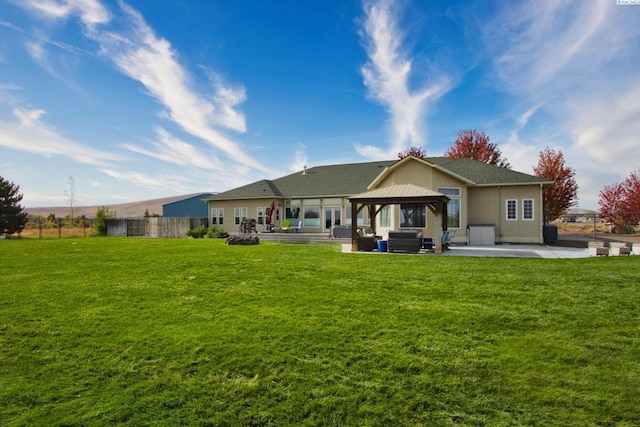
column 243, row 240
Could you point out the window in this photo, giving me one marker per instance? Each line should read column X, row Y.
column 293, row 215
column 527, row 209
column 453, row 207
column 217, row 216
column 512, row 210
column 385, row 216
column 239, row 215
column 413, row 215
column 347, row 210
column 260, row 215
column 311, row 216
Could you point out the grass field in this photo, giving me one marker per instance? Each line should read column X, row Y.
column 132, row 331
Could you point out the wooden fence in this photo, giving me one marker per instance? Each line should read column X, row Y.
column 154, row 227
column 126, row 227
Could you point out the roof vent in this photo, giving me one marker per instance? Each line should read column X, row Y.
column 304, row 171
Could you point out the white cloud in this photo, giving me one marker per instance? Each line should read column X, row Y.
column 573, row 64
column 300, row 160
column 91, row 12
column 144, row 180
column 173, row 150
column 30, row 134
column 150, row 60
column 141, row 55
column 386, row 76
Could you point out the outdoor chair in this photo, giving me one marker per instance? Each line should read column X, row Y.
column 284, row 227
column 447, row 239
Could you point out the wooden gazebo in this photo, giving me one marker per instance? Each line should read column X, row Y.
column 397, row 194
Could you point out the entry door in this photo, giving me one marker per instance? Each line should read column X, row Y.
column 332, row 216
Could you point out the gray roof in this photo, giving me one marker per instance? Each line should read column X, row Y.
column 484, row 174
column 349, row 179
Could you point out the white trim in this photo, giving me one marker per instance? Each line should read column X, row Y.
column 453, row 197
column 524, row 210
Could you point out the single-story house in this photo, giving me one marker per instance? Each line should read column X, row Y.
column 480, row 203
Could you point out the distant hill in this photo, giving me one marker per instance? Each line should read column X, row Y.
column 122, row 210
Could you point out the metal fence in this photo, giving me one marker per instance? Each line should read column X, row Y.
column 153, row 227
column 58, row 227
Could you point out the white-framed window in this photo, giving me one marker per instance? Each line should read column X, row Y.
column 512, row 210
column 239, row 215
column 527, row 209
column 217, row 216
column 454, row 205
column 385, row 216
column 260, row 215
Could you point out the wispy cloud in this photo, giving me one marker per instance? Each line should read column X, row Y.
column 29, row 133
column 170, row 149
column 387, row 78
column 91, row 12
column 140, row 54
column 571, row 63
column 145, row 180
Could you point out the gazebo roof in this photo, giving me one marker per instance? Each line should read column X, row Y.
column 399, row 193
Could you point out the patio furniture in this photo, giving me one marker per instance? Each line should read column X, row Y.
column 447, row 238
column 427, row 244
column 248, row 226
column 284, row 227
column 597, row 249
column 619, row 248
column 404, row 241
column 367, row 241
column 341, row 231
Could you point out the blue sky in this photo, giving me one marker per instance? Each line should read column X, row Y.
column 143, row 99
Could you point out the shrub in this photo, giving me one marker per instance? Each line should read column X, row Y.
column 100, row 222
column 197, row 232
column 216, row 232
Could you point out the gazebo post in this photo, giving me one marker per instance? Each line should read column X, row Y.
column 354, row 227
column 441, row 226
column 372, row 217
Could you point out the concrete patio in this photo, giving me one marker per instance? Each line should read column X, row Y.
column 511, row 251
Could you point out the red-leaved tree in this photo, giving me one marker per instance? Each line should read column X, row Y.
column 620, row 203
column 472, row 144
column 418, row 152
column 558, row 197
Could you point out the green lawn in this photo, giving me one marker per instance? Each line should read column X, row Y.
column 103, row 331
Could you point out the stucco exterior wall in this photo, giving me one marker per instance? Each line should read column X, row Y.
column 488, row 205
column 229, row 224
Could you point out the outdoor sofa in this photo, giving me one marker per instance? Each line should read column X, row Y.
column 404, row 241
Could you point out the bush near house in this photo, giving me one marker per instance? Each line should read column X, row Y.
column 211, row 232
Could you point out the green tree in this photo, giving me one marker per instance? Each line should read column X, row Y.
column 51, row 221
column 12, row 219
column 100, row 221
